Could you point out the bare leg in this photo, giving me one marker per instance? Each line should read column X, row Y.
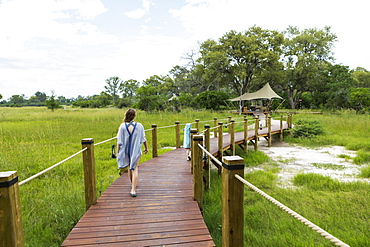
column 134, row 178
column 129, row 172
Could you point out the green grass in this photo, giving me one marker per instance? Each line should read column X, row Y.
column 339, row 208
column 34, row 138
column 329, row 166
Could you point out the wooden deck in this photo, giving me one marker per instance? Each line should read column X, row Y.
column 163, row 213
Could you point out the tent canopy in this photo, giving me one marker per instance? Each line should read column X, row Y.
column 265, row 92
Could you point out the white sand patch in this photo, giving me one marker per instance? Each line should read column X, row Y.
column 296, row 159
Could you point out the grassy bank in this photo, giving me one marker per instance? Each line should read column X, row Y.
column 339, row 208
column 33, row 139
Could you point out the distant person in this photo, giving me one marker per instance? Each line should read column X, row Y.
column 187, row 140
column 130, row 138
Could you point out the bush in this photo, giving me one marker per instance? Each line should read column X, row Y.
column 212, row 100
column 307, row 129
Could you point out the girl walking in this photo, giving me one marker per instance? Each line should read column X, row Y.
column 130, row 138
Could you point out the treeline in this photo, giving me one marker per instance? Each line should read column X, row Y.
column 298, row 64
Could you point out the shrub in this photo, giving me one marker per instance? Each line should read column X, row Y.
column 307, row 129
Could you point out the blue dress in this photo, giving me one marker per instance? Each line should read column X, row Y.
column 130, row 150
column 187, row 135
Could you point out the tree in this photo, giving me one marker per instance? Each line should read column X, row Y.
column 148, row 99
column 112, row 87
column 41, row 97
column 187, row 80
column 212, row 99
column 128, row 88
column 360, row 98
column 1, row 96
column 332, row 87
column 51, row 103
column 17, row 100
column 361, row 77
column 238, row 58
column 306, row 54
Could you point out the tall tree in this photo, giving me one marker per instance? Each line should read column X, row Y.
column 238, row 58
column 112, row 87
column 17, row 99
column 361, row 77
column 331, row 88
column 163, row 84
column 41, row 97
column 128, row 88
column 306, row 53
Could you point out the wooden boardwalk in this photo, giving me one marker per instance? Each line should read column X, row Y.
column 163, row 213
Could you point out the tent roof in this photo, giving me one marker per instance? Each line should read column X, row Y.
column 265, row 92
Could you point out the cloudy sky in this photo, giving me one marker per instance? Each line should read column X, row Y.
column 71, row 47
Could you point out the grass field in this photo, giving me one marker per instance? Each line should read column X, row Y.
column 339, row 208
column 33, row 139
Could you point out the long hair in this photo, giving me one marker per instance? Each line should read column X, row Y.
column 130, row 115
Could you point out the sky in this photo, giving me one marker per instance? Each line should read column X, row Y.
column 71, row 47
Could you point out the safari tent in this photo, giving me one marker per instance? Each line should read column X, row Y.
column 265, row 92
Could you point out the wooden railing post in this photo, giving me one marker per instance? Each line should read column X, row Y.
column 220, row 141
column 232, row 202
column 197, row 169
column 197, row 124
column 245, row 134
column 154, row 141
column 192, row 133
column 177, row 131
column 207, row 143
column 11, row 229
column 269, row 130
column 89, row 171
column 228, row 124
column 232, row 136
column 288, row 121
column 256, row 127
column 281, row 128
column 215, row 125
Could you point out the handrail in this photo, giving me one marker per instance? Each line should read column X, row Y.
column 210, row 155
column 311, row 225
column 96, row 144
column 308, row 223
column 51, row 167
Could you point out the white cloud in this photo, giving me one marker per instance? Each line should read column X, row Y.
column 140, row 12
column 22, row 20
column 61, row 45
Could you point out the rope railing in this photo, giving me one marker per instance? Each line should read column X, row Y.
column 308, row 223
column 50, row 168
column 210, row 155
column 110, row 139
column 163, row 127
